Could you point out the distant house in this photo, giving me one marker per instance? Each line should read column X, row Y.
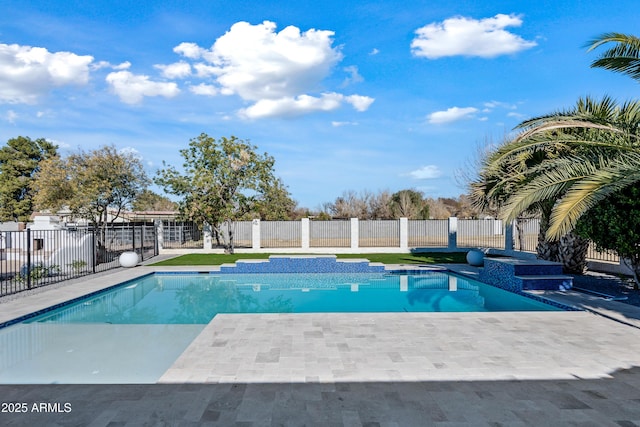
column 69, row 220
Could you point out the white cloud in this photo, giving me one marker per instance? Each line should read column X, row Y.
column 491, row 105
column 426, row 172
column 130, row 150
column 132, row 88
column 106, row 64
column 354, row 76
column 123, row 66
column 204, row 70
column 26, row 72
column 275, row 71
column 177, row 70
column 374, row 51
column 303, row 104
column 11, row 116
column 359, row 102
column 340, row 124
column 293, row 106
column 451, row 115
column 495, row 104
column 486, row 38
column 204, row 89
column 258, row 63
column 190, row 50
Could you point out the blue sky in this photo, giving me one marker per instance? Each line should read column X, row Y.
column 346, row 95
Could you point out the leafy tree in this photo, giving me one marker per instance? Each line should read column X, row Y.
column 19, row 161
column 91, row 184
column 223, row 180
column 409, row 204
column 275, row 204
column 614, row 224
column 147, row 200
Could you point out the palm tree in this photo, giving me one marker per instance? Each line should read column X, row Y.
column 584, row 155
column 624, row 57
column 503, row 171
column 598, row 150
column 559, row 166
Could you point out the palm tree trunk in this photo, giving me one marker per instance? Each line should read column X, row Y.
column 546, row 249
column 231, row 242
column 572, row 253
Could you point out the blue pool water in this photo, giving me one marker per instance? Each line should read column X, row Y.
column 134, row 332
column 197, row 298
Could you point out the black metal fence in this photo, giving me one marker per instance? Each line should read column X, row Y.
column 181, row 235
column 34, row 258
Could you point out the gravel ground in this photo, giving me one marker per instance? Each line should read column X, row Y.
column 618, row 287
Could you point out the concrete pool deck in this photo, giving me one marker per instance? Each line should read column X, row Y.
column 527, row 368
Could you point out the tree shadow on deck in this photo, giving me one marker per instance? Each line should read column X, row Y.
column 605, row 401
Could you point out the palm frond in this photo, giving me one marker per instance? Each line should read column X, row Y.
column 586, row 109
column 623, row 57
column 549, row 184
column 611, row 175
column 562, row 123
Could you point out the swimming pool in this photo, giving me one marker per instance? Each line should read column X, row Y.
column 98, row 339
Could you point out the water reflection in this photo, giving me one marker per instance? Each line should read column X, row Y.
column 196, row 299
column 200, row 302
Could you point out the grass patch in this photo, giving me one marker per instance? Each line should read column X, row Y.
column 421, row 258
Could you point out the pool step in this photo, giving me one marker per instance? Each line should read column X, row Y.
column 520, row 274
column 538, row 282
column 303, row 264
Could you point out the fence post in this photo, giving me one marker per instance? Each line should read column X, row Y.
column 354, row 233
column 508, row 236
column 206, row 241
column 404, row 233
column 142, row 242
column 453, row 233
column 305, row 234
column 94, row 249
column 28, row 258
column 159, row 232
column 255, row 234
column 133, row 237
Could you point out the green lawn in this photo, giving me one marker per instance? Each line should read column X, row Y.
column 422, row 258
